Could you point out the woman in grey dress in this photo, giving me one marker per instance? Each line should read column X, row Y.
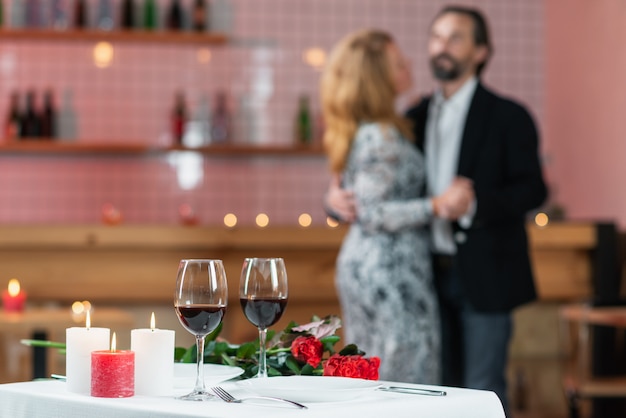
column 383, row 277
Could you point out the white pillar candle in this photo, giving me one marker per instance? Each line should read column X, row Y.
column 80, row 342
column 154, row 360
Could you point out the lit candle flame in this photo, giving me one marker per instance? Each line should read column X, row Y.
column 88, row 321
column 14, row 287
column 113, row 343
column 152, row 322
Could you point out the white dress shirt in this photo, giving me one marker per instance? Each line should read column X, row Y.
column 444, row 133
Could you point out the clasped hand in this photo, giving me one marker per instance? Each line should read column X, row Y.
column 453, row 203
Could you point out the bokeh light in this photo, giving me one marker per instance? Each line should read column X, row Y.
column 305, row 220
column 230, row 220
column 262, row 220
column 541, row 219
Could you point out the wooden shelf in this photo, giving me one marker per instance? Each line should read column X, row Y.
column 49, row 147
column 92, row 35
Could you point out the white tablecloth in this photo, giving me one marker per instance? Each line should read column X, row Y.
column 42, row 399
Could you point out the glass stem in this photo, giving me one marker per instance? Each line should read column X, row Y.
column 200, row 364
column 262, row 353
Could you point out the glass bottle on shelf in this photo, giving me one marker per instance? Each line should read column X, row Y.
column 105, row 15
column 150, row 14
column 67, row 119
column 222, row 16
column 58, row 14
column 175, row 15
column 48, row 116
column 127, row 14
column 14, row 118
column 80, row 14
column 33, row 14
column 31, row 123
column 17, row 13
column 304, row 126
column 179, row 118
column 221, row 123
column 199, row 15
column 200, row 125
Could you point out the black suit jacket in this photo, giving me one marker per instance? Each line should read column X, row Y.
column 499, row 152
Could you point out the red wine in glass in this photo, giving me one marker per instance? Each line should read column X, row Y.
column 263, row 295
column 200, row 319
column 200, row 301
column 263, row 312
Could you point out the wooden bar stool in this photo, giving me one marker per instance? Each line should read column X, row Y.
column 577, row 332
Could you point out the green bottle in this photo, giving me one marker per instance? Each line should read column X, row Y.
column 304, row 126
column 150, row 15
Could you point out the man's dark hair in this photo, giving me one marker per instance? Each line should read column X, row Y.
column 481, row 30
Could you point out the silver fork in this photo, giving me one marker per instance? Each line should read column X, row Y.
column 227, row 397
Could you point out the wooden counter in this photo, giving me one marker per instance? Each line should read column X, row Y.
column 138, row 263
column 123, row 264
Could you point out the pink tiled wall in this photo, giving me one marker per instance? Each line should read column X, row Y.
column 129, row 102
column 586, row 98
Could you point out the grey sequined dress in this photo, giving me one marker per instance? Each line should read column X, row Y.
column 384, row 278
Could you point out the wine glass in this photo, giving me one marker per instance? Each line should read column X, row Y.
column 200, row 302
column 263, row 297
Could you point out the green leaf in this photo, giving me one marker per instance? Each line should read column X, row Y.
column 179, row 352
column 293, row 365
column 227, row 360
column 329, row 343
column 246, row 351
column 351, row 350
column 273, row 372
column 209, row 348
column 318, row 372
column 43, row 343
column 221, row 347
column 307, row 369
column 190, row 355
column 213, row 335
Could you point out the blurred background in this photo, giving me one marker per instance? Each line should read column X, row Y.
column 142, row 114
column 563, row 62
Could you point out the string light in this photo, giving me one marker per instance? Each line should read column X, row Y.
column 541, row 219
column 230, row 220
column 331, row 222
column 305, row 220
column 262, row 220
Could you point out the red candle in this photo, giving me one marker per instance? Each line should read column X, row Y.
column 112, row 373
column 13, row 298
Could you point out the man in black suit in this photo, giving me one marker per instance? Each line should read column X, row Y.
column 480, row 255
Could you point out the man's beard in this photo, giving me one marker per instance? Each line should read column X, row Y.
column 445, row 73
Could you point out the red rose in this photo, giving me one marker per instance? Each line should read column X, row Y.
column 331, row 366
column 374, row 364
column 307, row 349
column 352, row 366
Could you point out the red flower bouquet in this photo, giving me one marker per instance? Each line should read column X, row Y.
column 297, row 350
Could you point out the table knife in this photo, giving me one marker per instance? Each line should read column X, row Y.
column 414, row 391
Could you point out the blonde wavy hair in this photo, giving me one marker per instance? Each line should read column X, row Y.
column 357, row 86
